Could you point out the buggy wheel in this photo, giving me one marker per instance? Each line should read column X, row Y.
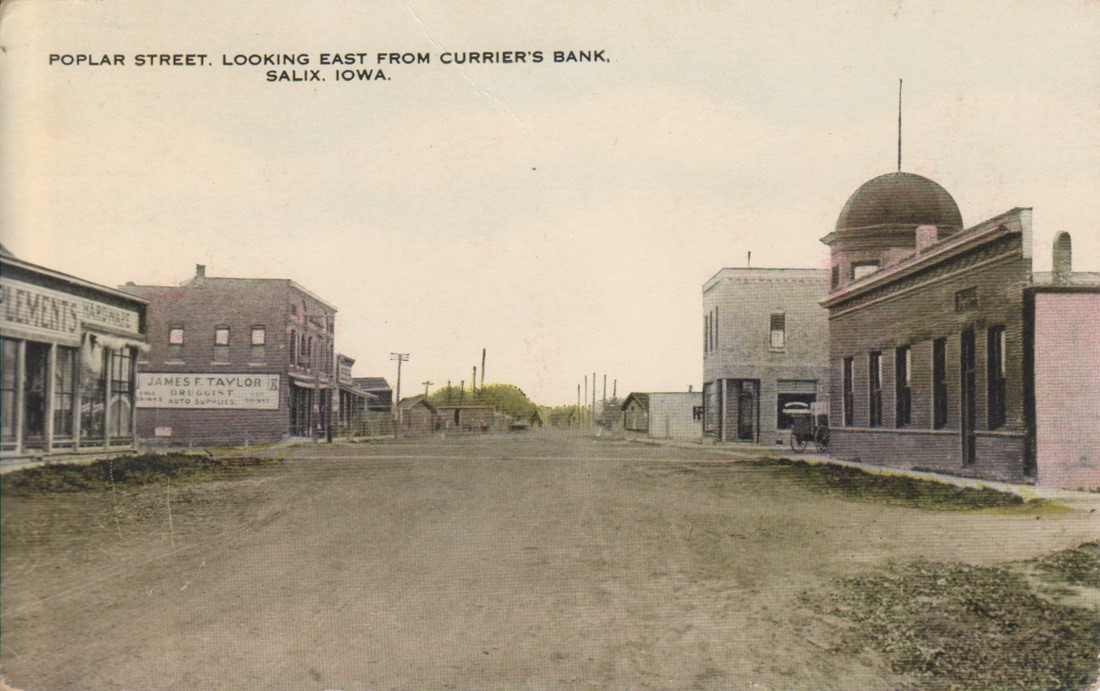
column 821, row 439
column 798, row 444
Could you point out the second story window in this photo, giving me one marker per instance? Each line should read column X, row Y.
column 778, row 331
column 259, row 343
column 863, row 269
column 221, row 344
column 175, row 343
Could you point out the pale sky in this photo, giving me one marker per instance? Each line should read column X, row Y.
column 563, row 216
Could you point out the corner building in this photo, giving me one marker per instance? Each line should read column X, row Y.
column 933, row 345
column 235, row 361
column 69, row 348
column 764, row 346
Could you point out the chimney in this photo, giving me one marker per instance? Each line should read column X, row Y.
column 689, row 388
column 200, row 270
column 1062, row 267
column 926, row 237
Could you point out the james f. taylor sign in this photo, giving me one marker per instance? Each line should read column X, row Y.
column 160, row 390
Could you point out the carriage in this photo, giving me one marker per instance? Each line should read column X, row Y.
column 807, row 427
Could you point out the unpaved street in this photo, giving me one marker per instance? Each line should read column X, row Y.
column 541, row 560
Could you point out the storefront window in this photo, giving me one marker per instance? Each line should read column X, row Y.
column 93, row 393
column 119, row 415
column 64, row 392
column 9, row 378
column 37, row 362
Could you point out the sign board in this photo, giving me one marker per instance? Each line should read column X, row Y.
column 48, row 310
column 208, row 391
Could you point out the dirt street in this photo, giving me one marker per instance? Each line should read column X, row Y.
column 533, row 560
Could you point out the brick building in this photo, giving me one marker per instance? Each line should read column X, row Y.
column 69, row 348
column 235, row 361
column 940, row 339
column 764, row 345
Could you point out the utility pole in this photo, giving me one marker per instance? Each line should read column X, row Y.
column 615, row 390
column 461, row 391
column 483, row 368
column 400, row 357
column 450, row 391
column 593, row 398
column 586, row 393
column 605, row 389
column 426, row 385
column 578, row 402
column 473, row 382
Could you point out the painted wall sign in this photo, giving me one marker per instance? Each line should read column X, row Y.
column 206, row 391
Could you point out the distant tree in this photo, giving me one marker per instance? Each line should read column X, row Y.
column 507, row 398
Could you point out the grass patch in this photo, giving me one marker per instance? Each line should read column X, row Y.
column 954, row 626
column 903, row 490
column 144, row 469
column 1078, row 565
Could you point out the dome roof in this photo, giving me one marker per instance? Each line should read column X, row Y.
column 900, row 199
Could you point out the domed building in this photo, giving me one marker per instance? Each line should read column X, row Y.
column 880, row 223
column 947, row 353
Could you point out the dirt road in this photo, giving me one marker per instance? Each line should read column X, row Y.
column 538, row 560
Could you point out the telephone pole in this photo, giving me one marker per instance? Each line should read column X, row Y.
column 426, row 385
column 483, row 368
column 399, row 357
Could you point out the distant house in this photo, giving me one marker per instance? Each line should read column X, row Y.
column 468, row 418
column 377, row 387
column 665, row 415
column 636, row 413
column 415, row 416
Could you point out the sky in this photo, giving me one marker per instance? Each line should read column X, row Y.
column 563, row 216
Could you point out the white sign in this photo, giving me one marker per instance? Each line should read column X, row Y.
column 215, row 390
column 50, row 310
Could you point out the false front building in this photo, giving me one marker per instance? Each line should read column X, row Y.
column 235, row 361
column 69, row 348
column 764, row 346
column 941, row 341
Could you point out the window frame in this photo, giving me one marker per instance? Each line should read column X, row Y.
column 874, row 389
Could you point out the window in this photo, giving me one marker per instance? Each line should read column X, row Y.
column 706, row 332
column 849, row 397
column 966, row 300
column 783, row 420
column 715, row 329
column 778, row 330
column 996, row 376
column 175, row 343
column 9, row 383
column 64, row 392
column 874, row 389
column 939, row 383
column 93, row 392
column 903, row 372
column 259, row 343
column 834, row 280
column 221, row 344
column 862, row 269
column 119, row 415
